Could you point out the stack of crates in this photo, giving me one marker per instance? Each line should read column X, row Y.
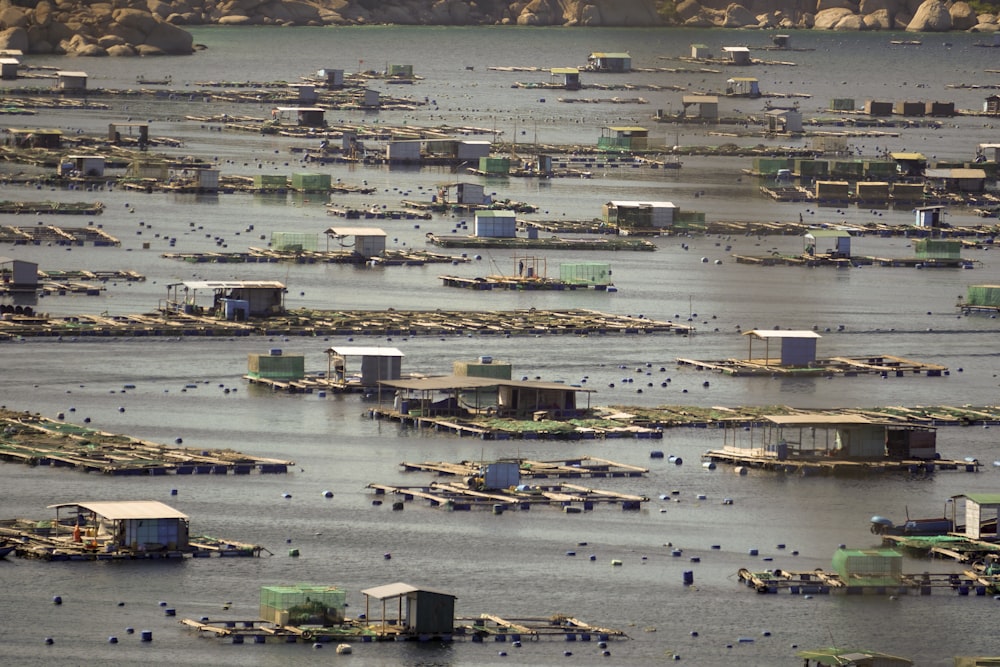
column 303, row 604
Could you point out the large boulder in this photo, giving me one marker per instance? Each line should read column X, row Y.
column 235, row 19
column 14, row 38
column 878, row 20
column 170, row 39
column 738, row 16
column 121, row 50
column 851, row 22
column 829, row 18
column 824, row 5
column 135, row 19
column 14, row 17
column 687, row 10
column 962, row 16
column 932, row 16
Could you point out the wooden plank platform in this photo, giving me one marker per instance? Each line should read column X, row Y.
column 818, row 582
column 886, row 365
column 831, row 466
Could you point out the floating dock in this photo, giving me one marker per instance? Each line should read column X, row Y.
column 572, row 498
column 520, row 284
column 584, row 466
column 487, row 627
column 37, row 441
column 885, row 365
column 268, row 256
column 53, row 235
column 521, row 322
column 51, row 208
column 519, row 243
column 831, row 466
column 954, row 546
column 818, row 582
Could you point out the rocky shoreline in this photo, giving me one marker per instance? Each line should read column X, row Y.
column 153, row 27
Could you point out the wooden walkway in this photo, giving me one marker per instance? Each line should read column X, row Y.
column 820, row 466
column 584, row 466
column 459, row 497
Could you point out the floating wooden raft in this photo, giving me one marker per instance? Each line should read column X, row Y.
column 831, row 466
column 458, row 497
column 820, row 582
column 558, row 625
column 584, row 466
column 34, row 440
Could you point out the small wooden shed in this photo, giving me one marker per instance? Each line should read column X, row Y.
column 798, row 348
column 413, row 610
column 743, row 86
column 784, row 120
column 67, row 80
column 301, row 116
column 705, row 107
column 623, row 137
column 377, row 364
column 980, row 508
column 19, row 275
column 928, row 216
column 610, row 62
column 368, row 241
column 136, row 525
column 8, row 68
column 738, row 55
column 570, row 76
column 839, row 238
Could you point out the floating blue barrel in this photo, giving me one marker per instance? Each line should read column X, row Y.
column 146, row 635
column 688, row 577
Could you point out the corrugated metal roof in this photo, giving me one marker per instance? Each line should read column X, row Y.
column 495, row 214
column 775, row 333
column 827, row 233
column 127, row 509
column 731, row 49
column 355, row 231
column 907, row 156
column 71, row 73
column 822, row 419
column 627, row 128
column 955, row 173
column 700, row 99
column 443, row 382
column 362, row 351
column 395, row 590
column 321, row 109
column 601, row 54
column 565, row 70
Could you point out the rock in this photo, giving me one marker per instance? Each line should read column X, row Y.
column 14, row 17
column 235, row 19
column 985, row 27
column 107, row 41
column 878, row 20
column 14, row 38
column 738, row 16
column 170, row 39
column 43, row 14
column 687, row 10
column 828, row 18
column 891, row 7
column 932, row 16
column 133, row 18
column 851, row 22
column 148, row 50
column 962, row 16
column 824, row 5
column 121, row 50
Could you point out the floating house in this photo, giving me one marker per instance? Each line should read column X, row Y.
column 623, row 138
column 276, row 365
column 294, row 241
column 82, row 165
column 704, row 107
column 737, row 55
column 820, row 437
column 194, row 179
column 8, row 68
column 300, row 116
column 939, row 109
column 909, row 108
column 496, row 224
column 991, row 105
column 570, row 76
column 796, row 348
column 878, row 108
column 270, row 183
column 839, row 238
column 304, row 93
column 466, row 194
column 928, row 216
column 370, row 99
column 131, row 525
column 832, row 191
column 609, row 62
column 782, row 41
column 403, row 151
column 18, row 275
column 67, row 80
column 909, row 164
column 509, row 398
column 230, row 298
column 494, row 166
column 331, row 78
column 700, row 52
column 368, row 241
column 743, row 86
column 377, row 364
column 981, row 510
column 957, row 180
column 784, row 120
column 399, row 71
column 638, row 216
column 408, row 610
column 33, row 138
column 938, row 251
column 982, row 297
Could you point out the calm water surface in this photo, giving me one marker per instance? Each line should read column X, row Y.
column 514, row 564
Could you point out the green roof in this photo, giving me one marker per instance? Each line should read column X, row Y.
column 842, row 656
column 982, row 498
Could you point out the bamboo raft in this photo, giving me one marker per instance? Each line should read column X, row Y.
column 819, row 465
column 53, row 208
column 818, row 582
column 37, row 441
column 266, row 256
column 520, row 283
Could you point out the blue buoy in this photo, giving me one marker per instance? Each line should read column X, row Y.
column 286, row 495
column 387, row 556
column 170, row 612
column 57, row 599
column 130, row 631
column 146, row 635
column 112, row 639
column 173, row 492
column 162, row 603
column 49, row 641
column 328, row 494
